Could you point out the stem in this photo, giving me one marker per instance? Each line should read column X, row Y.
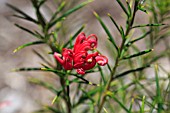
column 68, row 100
column 129, row 25
column 66, row 95
column 66, row 90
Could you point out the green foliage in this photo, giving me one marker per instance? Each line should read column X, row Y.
column 124, row 84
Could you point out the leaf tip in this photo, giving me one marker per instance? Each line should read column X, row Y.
column 84, row 25
column 14, row 70
column 94, row 12
column 109, row 14
column 43, row 68
column 14, row 51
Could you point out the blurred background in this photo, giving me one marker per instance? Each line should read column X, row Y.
column 17, row 95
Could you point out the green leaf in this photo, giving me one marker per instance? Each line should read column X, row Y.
column 102, row 74
column 129, row 8
column 86, row 96
column 54, row 100
column 53, row 110
column 142, row 109
column 26, row 17
column 112, row 95
column 86, row 81
column 137, row 39
column 68, row 13
column 27, row 69
column 42, row 57
column 28, row 44
column 152, row 107
column 142, row 9
column 59, row 9
column 59, row 73
column 131, row 104
column 46, row 85
column 147, row 25
column 158, row 90
column 138, row 54
column 29, row 31
column 114, row 23
column 130, row 71
column 123, row 7
column 40, row 17
column 74, row 36
column 106, row 30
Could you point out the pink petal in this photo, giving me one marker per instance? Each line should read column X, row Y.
column 80, row 57
column 57, row 56
column 101, row 60
column 92, row 39
column 85, row 46
column 80, row 71
column 90, row 61
column 67, row 52
column 80, row 39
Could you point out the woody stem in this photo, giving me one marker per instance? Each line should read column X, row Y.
column 107, row 88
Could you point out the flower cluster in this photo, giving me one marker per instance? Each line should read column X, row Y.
column 79, row 58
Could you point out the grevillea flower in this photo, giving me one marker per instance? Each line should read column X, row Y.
column 66, row 59
column 79, row 58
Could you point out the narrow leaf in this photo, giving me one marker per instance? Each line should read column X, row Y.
column 123, row 7
column 114, row 23
column 68, row 13
column 86, row 81
column 106, row 30
column 87, row 95
column 131, row 104
column 130, row 71
column 74, row 36
column 28, row 44
column 27, row 17
column 29, row 31
column 102, row 74
column 27, row 69
column 147, row 25
column 109, row 93
column 46, row 85
column 54, row 100
column 59, row 9
column 42, row 57
column 138, row 54
column 59, row 73
column 158, row 90
column 137, row 39
column 143, row 105
column 129, row 8
column 142, row 9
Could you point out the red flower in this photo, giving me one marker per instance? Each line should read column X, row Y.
column 66, row 59
column 79, row 58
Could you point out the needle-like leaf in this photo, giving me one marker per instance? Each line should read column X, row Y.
column 28, row 44
column 138, row 54
column 130, row 71
column 68, row 13
column 106, row 30
column 26, row 17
